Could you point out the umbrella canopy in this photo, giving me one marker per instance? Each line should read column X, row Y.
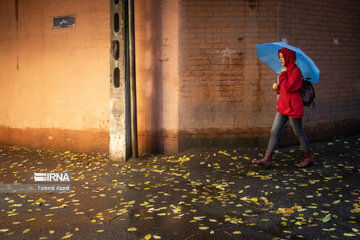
column 268, row 53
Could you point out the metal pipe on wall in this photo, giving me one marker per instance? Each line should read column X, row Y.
column 134, row 141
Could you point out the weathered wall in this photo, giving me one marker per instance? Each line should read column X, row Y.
column 54, row 82
column 313, row 26
column 225, row 92
column 226, row 97
column 199, row 82
column 157, row 74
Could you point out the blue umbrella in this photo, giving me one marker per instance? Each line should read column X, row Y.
column 268, row 53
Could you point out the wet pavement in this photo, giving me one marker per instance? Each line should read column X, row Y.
column 215, row 194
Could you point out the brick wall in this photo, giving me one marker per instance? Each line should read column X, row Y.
column 199, row 80
column 313, row 26
column 225, row 91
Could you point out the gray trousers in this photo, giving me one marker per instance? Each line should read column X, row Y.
column 296, row 125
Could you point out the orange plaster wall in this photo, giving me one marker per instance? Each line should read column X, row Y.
column 157, row 74
column 54, row 82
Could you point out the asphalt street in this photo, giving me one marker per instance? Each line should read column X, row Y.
column 213, row 194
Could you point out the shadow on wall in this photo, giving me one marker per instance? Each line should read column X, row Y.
column 148, row 27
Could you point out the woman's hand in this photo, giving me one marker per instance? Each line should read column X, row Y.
column 284, row 69
column 275, row 86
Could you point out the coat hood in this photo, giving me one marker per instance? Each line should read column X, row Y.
column 289, row 56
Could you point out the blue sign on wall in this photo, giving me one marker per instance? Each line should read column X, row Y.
column 64, row 22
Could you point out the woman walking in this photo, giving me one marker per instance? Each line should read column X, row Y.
column 289, row 107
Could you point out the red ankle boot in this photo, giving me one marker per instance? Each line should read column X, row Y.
column 266, row 160
column 307, row 160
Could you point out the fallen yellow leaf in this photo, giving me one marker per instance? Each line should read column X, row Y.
column 349, row 235
column 355, row 210
column 203, row 228
column 68, row 235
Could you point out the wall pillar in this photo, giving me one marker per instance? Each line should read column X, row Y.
column 120, row 127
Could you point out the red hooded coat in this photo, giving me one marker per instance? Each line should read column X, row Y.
column 290, row 82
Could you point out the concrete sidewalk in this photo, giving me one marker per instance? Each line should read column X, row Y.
column 216, row 194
